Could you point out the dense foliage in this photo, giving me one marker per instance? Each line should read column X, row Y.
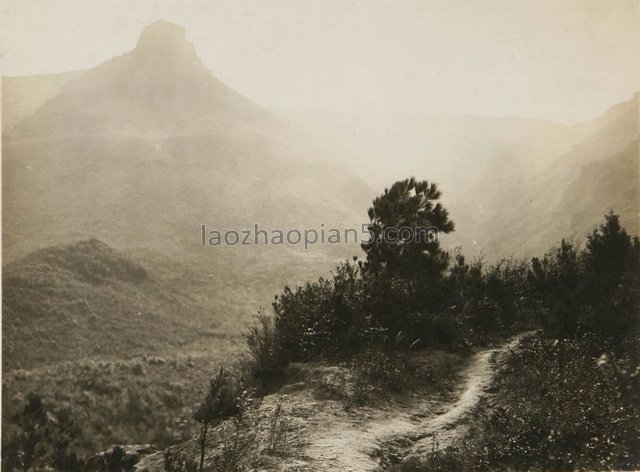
column 569, row 292
column 40, row 437
column 405, row 289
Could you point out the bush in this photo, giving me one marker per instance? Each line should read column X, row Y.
column 37, row 437
column 264, row 346
column 177, row 461
column 334, row 319
column 376, row 371
column 323, row 319
column 223, row 400
column 278, row 427
column 240, row 437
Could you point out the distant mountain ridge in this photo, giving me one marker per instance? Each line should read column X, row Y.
column 161, row 88
column 503, row 179
column 144, row 148
column 568, row 199
column 22, row 96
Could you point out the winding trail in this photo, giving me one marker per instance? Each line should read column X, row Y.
column 345, row 446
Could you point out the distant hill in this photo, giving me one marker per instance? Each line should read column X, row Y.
column 22, row 96
column 602, row 185
column 481, row 163
column 160, row 88
column 144, row 148
column 86, row 299
column 569, row 197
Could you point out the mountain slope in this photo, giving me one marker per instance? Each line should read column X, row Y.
column 160, row 88
column 612, row 183
column 569, row 198
column 22, row 96
column 86, row 299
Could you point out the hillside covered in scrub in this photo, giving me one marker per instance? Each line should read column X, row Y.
column 87, row 299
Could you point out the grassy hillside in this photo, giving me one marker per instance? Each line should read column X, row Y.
column 88, row 300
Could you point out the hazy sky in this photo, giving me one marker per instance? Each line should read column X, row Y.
column 563, row 60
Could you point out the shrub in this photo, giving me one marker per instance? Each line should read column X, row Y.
column 278, row 426
column 37, row 438
column 264, row 345
column 222, row 401
column 116, row 460
column 324, row 319
column 378, row 371
column 178, row 461
column 241, row 436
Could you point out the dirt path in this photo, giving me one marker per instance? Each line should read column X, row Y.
column 345, row 446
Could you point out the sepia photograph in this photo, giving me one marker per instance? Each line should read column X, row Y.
column 320, row 235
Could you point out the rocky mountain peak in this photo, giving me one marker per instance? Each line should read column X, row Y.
column 164, row 36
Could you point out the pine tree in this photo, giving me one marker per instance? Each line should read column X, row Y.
column 405, row 223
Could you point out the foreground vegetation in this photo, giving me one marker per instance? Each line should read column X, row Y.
column 558, row 405
column 141, row 400
column 568, row 399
